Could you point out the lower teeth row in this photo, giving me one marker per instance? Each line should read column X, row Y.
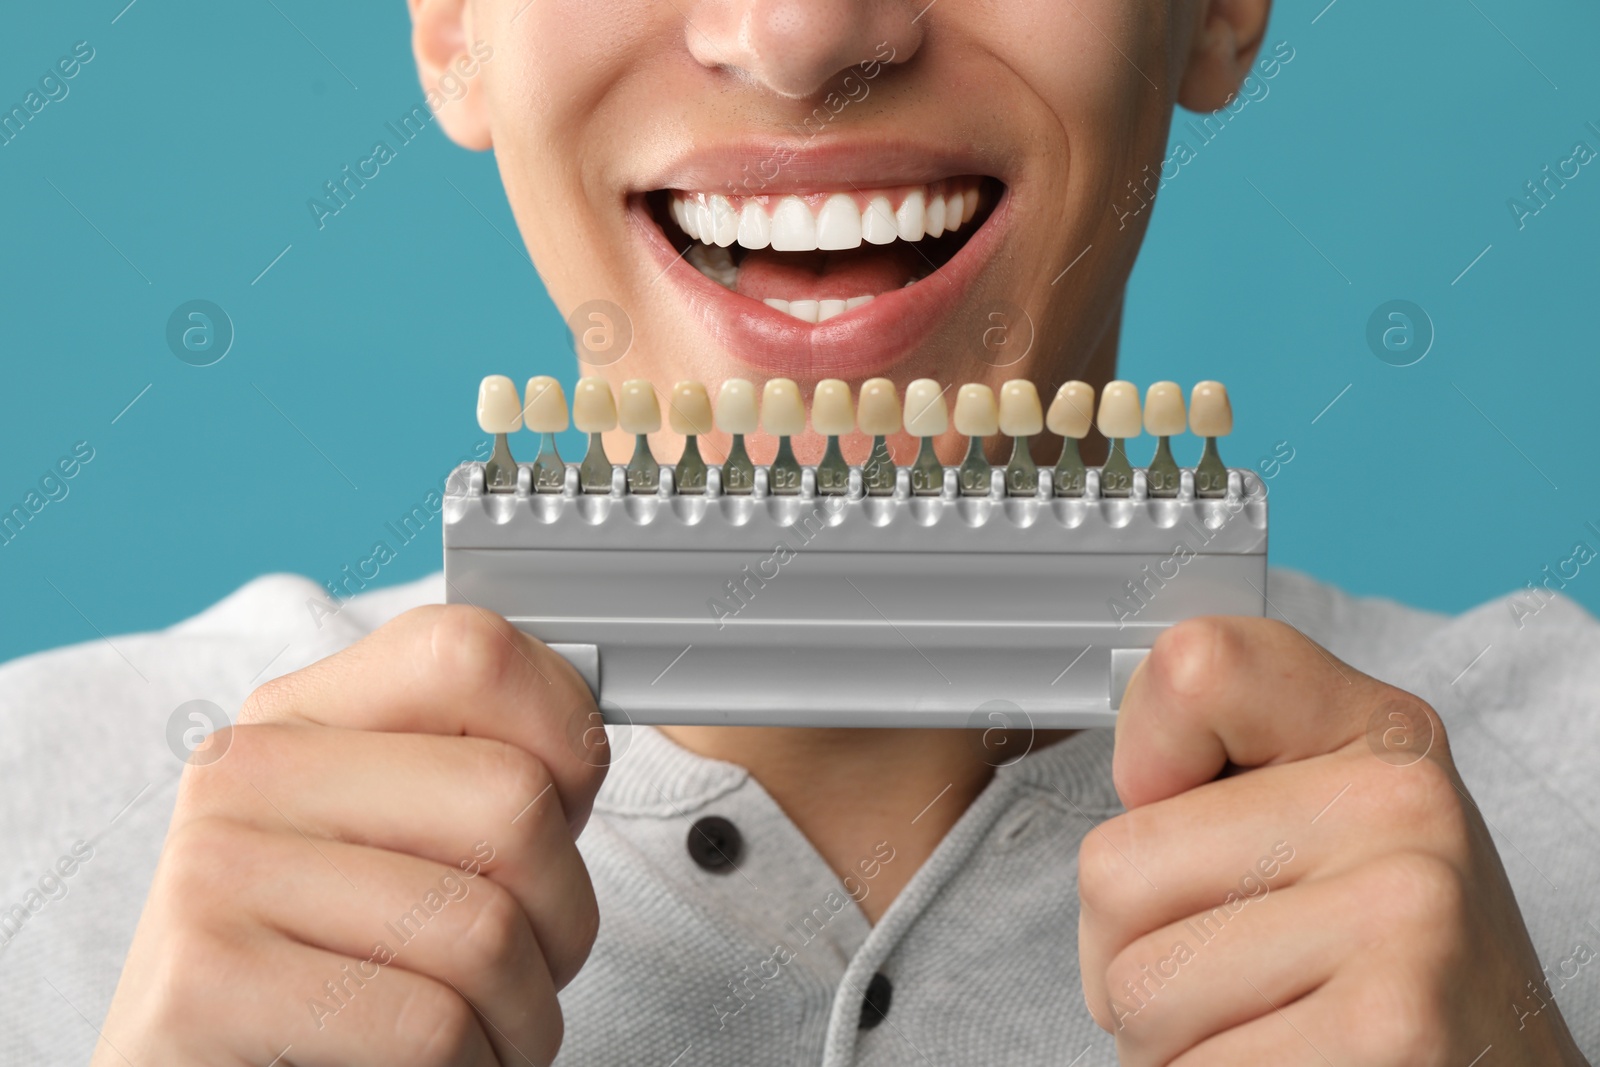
column 816, row 310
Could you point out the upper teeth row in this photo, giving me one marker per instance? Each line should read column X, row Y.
column 835, row 222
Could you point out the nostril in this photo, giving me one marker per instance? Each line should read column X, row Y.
column 798, row 48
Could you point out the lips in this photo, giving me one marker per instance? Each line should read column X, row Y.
column 837, row 274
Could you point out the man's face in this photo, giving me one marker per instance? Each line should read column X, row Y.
column 756, row 185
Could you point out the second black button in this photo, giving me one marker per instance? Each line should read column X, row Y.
column 715, row 844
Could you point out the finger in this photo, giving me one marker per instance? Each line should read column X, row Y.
column 451, row 670
column 386, row 911
column 1268, row 829
column 1172, row 989
column 466, row 804
column 269, row 1002
column 1249, row 692
column 1369, row 1013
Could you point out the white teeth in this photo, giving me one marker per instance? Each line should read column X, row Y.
column 935, row 216
column 877, row 222
column 816, row 310
column 724, row 221
column 834, row 222
column 755, row 226
column 839, row 223
column 794, row 227
column 910, row 215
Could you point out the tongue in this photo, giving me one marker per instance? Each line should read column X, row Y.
column 866, row 271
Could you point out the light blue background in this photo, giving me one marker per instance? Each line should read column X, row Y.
column 1378, row 167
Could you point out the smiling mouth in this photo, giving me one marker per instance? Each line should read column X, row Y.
column 817, row 256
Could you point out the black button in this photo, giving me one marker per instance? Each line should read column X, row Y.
column 715, row 843
column 875, row 1005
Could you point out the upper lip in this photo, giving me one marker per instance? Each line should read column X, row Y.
column 826, row 163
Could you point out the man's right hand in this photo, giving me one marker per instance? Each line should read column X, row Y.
column 381, row 868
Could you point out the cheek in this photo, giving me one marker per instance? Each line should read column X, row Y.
column 570, row 89
column 1101, row 68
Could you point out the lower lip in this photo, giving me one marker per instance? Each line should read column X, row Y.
column 857, row 344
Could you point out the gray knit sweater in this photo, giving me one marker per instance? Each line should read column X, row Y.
column 769, row 962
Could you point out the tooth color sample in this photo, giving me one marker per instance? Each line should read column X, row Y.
column 736, row 407
column 689, row 412
column 878, row 408
column 925, row 411
column 1072, row 411
column 783, row 414
column 1119, row 410
column 831, row 412
column 499, row 409
column 637, row 409
column 1164, row 415
column 1210, row 413
column 976, row 412
column 1020, row 412
column 544, row 405
column 594, row 410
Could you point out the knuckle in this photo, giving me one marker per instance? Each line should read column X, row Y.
column 208, row 788
column 1103, row 870
column 496, row 939
column 1396, row 1019
column 1191, row 657
column 523, row 785
column 201, row 857
column 472, row 648
column 182, row 980
column 582, row 928
column 1131, row 987
column 1423, row 894
column 1423, row 798
column 435, row 1024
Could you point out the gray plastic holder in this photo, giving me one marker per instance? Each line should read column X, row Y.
column 854, row 610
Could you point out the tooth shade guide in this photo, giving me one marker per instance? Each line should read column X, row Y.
column 1005, row 595
column 781, row 413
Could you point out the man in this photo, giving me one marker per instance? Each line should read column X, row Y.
column 384, row 865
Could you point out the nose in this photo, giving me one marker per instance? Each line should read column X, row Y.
column 793, row 47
